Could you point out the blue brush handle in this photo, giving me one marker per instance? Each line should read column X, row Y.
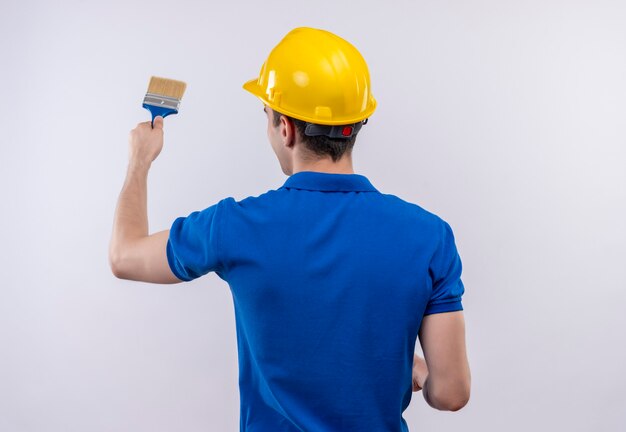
column 159, row 111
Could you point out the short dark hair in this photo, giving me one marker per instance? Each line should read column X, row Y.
column 320, row 145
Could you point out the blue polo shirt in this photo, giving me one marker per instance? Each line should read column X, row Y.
column 330, row 280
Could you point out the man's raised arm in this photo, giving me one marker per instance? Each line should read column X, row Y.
column 133, row 253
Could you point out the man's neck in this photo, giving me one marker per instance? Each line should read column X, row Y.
column 342, row 166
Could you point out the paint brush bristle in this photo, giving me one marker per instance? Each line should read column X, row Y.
column 167, row 87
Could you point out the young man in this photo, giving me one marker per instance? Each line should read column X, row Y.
column 332, row 280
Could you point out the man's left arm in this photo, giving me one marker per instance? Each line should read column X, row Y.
column 133, row 253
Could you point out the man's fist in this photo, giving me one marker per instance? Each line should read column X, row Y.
column 420, row 372
column 146, row 142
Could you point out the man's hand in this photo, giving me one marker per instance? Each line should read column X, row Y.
column 420, row 372
column 145, row 143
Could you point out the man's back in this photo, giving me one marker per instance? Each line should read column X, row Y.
column 330, row 280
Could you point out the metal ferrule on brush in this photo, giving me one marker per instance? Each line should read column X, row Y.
column 163, row 97
column 161, row 101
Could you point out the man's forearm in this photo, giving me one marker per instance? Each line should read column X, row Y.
column 131, row 214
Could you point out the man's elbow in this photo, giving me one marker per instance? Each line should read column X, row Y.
column 118, row 265
column 453, row 398
column 454, row 402
column 458, row 403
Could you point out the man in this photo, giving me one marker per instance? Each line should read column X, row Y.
column 332, row 280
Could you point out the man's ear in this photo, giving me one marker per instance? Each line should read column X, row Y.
column 287, row 131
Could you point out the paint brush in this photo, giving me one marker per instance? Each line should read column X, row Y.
column 163, row 96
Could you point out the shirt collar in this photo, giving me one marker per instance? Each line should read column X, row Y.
column 329, row 182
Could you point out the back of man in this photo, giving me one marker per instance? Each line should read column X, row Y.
column 330, row 279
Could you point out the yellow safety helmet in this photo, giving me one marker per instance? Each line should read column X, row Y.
column 315, row 76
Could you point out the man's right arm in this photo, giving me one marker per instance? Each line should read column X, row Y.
column 442, row 337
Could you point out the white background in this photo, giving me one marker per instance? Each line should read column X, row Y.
column 506, row 118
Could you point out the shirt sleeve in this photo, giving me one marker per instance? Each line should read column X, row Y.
column 445, row 271
column 193, row 247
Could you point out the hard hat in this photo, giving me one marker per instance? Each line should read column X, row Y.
column 315, row 76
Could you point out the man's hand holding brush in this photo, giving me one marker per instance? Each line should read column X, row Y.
column 145, row 143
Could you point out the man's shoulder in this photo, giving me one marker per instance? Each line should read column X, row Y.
column 394, row 205
column 265, row 200
column 410, row 208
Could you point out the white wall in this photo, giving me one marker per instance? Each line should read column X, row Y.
column 506, row 118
